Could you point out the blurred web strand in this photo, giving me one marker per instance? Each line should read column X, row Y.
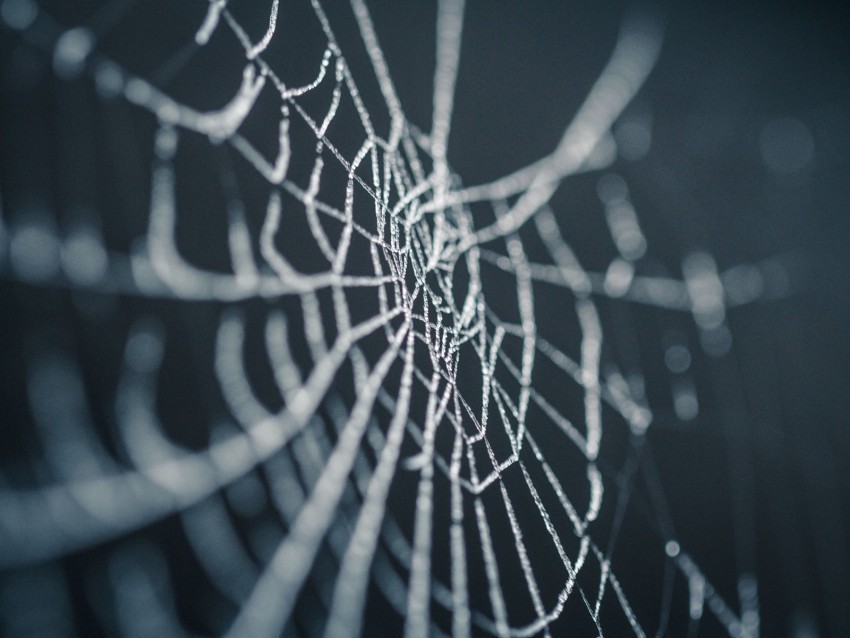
column 424, row 230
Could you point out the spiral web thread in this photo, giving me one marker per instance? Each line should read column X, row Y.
column 421, row 237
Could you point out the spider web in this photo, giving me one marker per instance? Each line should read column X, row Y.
column 422, row 443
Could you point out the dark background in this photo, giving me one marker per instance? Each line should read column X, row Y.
column 778, row 404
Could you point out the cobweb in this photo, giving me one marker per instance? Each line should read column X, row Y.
column 407, row 414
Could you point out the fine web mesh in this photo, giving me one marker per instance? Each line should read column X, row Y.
column 413, row 419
